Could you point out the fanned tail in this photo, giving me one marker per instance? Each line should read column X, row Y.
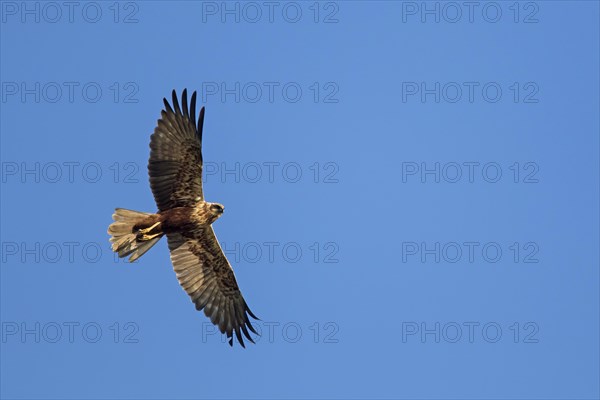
column 125, row 239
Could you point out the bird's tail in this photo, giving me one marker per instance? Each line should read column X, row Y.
column 125, row 239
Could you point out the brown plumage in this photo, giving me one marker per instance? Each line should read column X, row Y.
column 175, row 169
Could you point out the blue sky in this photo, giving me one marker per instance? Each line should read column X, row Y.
column 411, row 195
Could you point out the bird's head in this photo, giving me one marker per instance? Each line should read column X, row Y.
column 216, row 210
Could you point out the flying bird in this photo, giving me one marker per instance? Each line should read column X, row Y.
column 186, row 218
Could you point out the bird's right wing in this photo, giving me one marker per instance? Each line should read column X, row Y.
column 175, row 165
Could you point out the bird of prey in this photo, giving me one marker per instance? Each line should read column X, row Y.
column 175, row 169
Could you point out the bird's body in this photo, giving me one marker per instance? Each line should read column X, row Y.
column 177, row 220
column 175, row 169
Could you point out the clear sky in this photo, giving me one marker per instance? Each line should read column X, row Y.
column 411, row 194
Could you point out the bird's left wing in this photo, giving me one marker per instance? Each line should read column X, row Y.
column 206, row 275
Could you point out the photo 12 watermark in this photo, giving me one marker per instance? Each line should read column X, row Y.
column 69, row 12
column 470, row 332
column 469, row 92
column 326, row 172
column 71, row 172
column 58, row 253
column 288, row 332
column 29, row 332
column 69, row 92
column 470, row 12
column 452, row 172
column 471, row 252
column 269, row 92
column 270, row 12
column 278, row 252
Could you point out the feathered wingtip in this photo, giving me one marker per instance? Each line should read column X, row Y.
column 186, row 112
column 244, row 330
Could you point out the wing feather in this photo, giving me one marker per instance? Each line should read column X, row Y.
column 193, row 107
column 205, row 274
column 175, row 164
column 176, row 102
column 186, row 113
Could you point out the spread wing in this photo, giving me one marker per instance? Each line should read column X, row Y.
column 175, row 165
column 204, row 272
